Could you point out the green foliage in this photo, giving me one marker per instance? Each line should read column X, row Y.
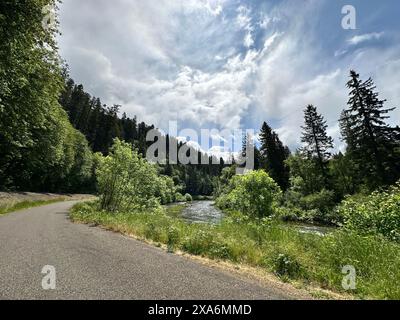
column 179, row 197
column 323, row 201
column 27, row 204
column 305, row 174
column 166, row 190
column 173, row 238
column 39, row 149
column 221, row 184
column 316, row 207
column 378, row 213
column 343, row 172
column 286, row 266
column 188, row 197
column 317, row 143
column 372, row 143
column 127, row 181
column 273, row 156
column 255, row 194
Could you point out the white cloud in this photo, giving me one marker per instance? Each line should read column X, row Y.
column 184, row 60
column 365, row 37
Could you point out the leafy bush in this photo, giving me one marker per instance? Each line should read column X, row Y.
column 127, row 181
column 166, row 190
column 188, row 197
column 173, row 238
column 286, row 266
column 179, row 197
column 322, row 200
column 316, row 207
column 255, row 194
column 378, row 213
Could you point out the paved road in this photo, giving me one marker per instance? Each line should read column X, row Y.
column 92, row 263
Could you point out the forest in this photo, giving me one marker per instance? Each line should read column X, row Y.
column 56, row 137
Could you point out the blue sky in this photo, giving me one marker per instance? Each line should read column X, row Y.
column 228, row 63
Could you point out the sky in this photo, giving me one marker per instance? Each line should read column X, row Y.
column 230, row 64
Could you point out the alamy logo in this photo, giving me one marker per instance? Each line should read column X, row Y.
column 349, row 280
column 49, row 280
column 349, row 21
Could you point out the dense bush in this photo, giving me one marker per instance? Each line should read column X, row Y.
column 255, row 194
column 127, row 181
column 188, row 197
column 179, row 197
column 315, row 207
column 286, row 266
column 166, row 190
column 378, row 213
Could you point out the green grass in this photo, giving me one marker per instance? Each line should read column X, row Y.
column 26, row 204
column 307, row 258
column 175, row 210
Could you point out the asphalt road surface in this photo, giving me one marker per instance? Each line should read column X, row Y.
column 91, row 263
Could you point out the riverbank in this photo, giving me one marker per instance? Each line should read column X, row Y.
column 304, row 258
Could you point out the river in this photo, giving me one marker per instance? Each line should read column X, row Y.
column 207, row 212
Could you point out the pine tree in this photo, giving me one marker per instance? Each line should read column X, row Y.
column 273, row 156
column 316, row 140
column 373, row 143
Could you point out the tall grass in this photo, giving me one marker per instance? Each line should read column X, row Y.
column 282, row 250
column 17, row 206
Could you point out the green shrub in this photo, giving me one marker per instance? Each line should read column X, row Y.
column 255, row 194
column 188, row 197
column 179, row 197
column 286, row 266
column 200, row 242
column 323, row 201
column 126, row 181
column 173, row 238
column 316, row 207
column 378, row 213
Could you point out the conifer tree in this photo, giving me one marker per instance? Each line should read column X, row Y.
column 374, row 145
column 316, row 141
column 273, row 156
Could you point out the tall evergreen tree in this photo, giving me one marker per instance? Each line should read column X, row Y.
column 373, row 144
column 273, row 156
column 316, row 141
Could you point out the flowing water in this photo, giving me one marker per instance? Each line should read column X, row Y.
column 311, row 228
column 207, row 212
column 202, row 212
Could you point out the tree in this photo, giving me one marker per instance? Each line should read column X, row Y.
column 316, row 140
column 273, row 156
column 127, row 181
column 372, row 143
column 37, row 142
column 254, row 194
column 305, row 176
column 343, row 171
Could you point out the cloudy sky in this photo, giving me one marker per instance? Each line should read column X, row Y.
column 229, row 63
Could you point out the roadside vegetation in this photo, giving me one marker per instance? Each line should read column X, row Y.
column 26, row 204
column 10, row 202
